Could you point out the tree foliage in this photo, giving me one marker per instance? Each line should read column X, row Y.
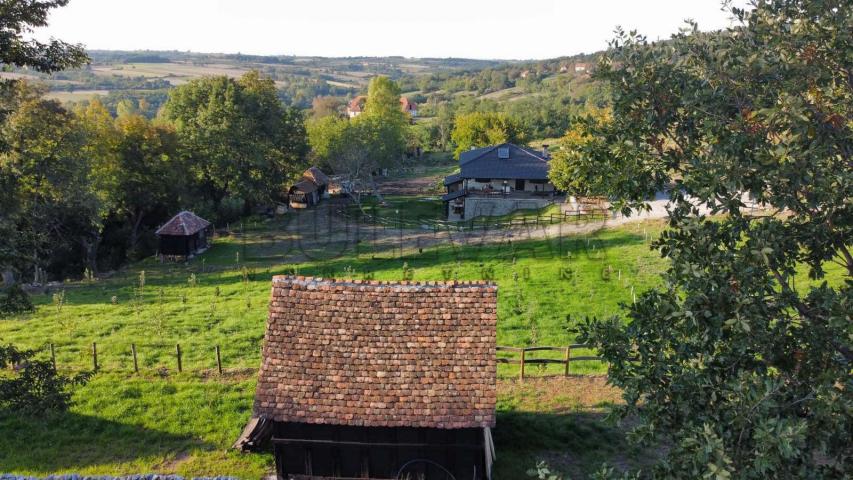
column 578, row 138
column 383, row 123
column 356, row 149
column 54, row 205
column 14, row 301
column 239, row 139
column 19, row 17
column 35, row 388
column 740, row 364
column 479, row 129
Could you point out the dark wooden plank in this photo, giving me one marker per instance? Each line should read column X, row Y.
column 304, row 441
column 535, row 361
column 543, row 349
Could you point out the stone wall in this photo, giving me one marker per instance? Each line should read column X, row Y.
column 480, row 206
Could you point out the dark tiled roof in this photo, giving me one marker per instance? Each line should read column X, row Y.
column 465, row 157
column 450, row 196
column 316, row 175
column 523, row 163
column 451, row 179
column 379, row 354
column 183, row 224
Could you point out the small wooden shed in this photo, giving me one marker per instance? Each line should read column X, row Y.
column 380, row 380
column 309, row 190
column 184, row 235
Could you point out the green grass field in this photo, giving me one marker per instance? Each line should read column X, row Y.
column 163, row 421
column 168, row 422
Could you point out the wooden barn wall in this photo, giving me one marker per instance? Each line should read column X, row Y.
column 460, row 451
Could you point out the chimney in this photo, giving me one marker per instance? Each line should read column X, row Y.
column 545, row 152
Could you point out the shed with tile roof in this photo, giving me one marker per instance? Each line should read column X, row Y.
column 309, row 189
column 377, row 379
column 184, row 235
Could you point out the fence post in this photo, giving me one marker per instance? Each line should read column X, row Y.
column 95, row 356
column 218, row 360
column 135, row 363
column 568, row 358
column 53, row 357
column 523, row 351
column 178, row 353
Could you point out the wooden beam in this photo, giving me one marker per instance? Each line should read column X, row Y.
column 348, row 443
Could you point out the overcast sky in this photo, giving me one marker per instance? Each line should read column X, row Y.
column 518, row 29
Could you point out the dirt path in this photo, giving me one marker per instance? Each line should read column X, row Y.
column 322, row 233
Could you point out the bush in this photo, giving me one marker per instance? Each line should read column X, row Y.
column 230, row 209
column 35, row 388
column 15, row 301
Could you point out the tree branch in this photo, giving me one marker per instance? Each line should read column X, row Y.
column 807, row 314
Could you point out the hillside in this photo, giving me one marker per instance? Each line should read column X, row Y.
column 461, row 84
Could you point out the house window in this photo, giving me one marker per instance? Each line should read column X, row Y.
column 503, row 152
column 483, row 180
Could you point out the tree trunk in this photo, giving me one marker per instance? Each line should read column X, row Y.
column 90, row 247
column 134, row 232
column 8, row 278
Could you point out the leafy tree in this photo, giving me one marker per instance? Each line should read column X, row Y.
column 15, row 300
column 482, row 129
column 326, row 107
column 324, row 134
column 562, row 171
column 357, row 148
column 136, row 165
column 347, row 148
column 239, row 139
column 739, row 363
column 19, row 17
column 55, row 209
column 35, row 388
column 383, row 122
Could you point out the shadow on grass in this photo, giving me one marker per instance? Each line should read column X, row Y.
column 72, row 442
column 573, row 444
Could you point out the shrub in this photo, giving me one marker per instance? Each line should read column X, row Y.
column 35, row 388
column 15, row 301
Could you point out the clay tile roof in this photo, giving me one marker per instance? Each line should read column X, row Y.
column 407, row 105
column 316, row 175
column 183, row 224
column 379, row 354
column 357, row 103
column 304, row 186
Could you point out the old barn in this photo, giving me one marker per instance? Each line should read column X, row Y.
column 377, row 380
column 309, row 189
column 184, row 235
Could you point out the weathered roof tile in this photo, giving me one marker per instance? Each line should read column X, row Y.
column 367, row 353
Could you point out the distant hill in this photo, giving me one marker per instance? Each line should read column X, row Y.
column 535, row 88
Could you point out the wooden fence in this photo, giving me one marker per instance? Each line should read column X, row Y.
column 523, row 359
column 483, row 222
column 519, row 357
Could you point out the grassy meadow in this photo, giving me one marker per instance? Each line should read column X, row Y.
column 168, row 422
column 163, row 421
